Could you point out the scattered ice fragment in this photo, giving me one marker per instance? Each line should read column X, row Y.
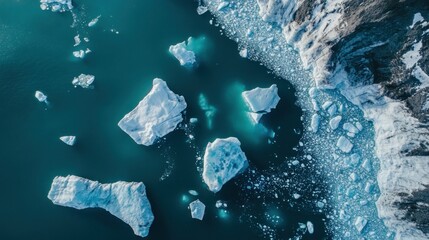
column 193, row 120
column 56, row 5
column 360, row 223
column 260, row 101
column 41, row 97
column 193, row 192
column 201, row 10
column 197, row 209
column 222, row 5
column 79, row 54
column 86, row 39
column 344, row 144
column 335, row 122
column 417, row 18
column 320, row 204
column 180, row 52
column 326, row 105
column 312, row 92
column 368, row 187
column 315, row 105
column 94, row 21
column 332, row 110
column 367, row 165
column 83, row 80
column 354, row 177
column 350, row 128
column 310, row 227
column 296, row 195
column 223, row 160
column 125, row 200
column 315, row 122
column 69, row 140
column 220, row 203
column 76, row 40
column 155, row 116
column 243, row 53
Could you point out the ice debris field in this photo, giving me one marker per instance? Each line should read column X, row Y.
column 336, row 143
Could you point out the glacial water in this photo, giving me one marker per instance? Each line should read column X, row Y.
column 129, row 48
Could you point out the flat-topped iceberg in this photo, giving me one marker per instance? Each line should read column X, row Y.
column 197, row 209
column 125, row 200
column 260, row 101
column 69, row 140
column 185, row 56
column 83, row 80
column 41, row 97
column 223, row 160
column 56, row 5
column 155, row 116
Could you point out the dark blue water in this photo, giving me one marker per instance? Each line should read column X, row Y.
column 36, row 54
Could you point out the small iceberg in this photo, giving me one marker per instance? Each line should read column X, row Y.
column 125, row 200
column 155, row 116
column 94, row 21
column 76, row 40
column 182, row 53
column 56, row 5
column 83, row 80
column 260, row 101
column 344, row 144
column 223, row 160
column 197, row 209
column 360, row 223
column 310, row 227
column 69, row 140
column 41, row 97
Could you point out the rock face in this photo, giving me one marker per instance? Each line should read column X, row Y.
column 180, row 52
column 125, row 200
column 260, row 101
column 56, row 5
column 223, row 160
column 377, row 54
column 155, row 116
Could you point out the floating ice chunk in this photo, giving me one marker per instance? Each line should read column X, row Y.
column 354, row 177
column 56, row 5
column 335, row 122
column 222, row 5
column 310, row 227
column 83, row 80
column 41, row 97
column 69, row 140
column 193, row 120
column 344, row 144
column 197, row 209
column 201, row 10
column 193, row 192
column 417, row 18
column 360, row 223
column 155, row 116
column 180, row 52
column 220, row 203
column 367, row 165
column 223, row 160
column 332, row 110
column 315, row 122
column 326, row 105
column 312, row 92
column 260, row 101
column 94, row 21
column 79, row 54
column 296, row 196
column 125, row 200
column 350, row 128
column 243, row 53
column 76, row 40
column 208, row 109
column 369, row 187
column 315, row 105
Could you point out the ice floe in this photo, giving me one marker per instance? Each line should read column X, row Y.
column 155, row 116
column 41, row 97
column 56, row 5
column 261, row 101
column 69, row 140
column 344, row 144
column 94, row 21
column 182, row 53
column 125, row 200
column 197, row 209
column 83, row 80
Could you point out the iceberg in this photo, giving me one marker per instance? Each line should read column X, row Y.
column 315, row 122
column 360, row 223
column 155, row 116
column 94, row 21
column 41, row 97
column 181, row 52
column 335, row 122
column 69, row 140
column 76, row 40
column 260, row 101
column 344, row 144
column 56, row 5
column 310, row 227
column 83, row 80
column 197, row 209
column 125, row 200
column 223, row 160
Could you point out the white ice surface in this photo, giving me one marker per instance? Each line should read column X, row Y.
column 197, row 209
column 180, row 52
column 83, row 80
column 69, row 140
column 261, row 101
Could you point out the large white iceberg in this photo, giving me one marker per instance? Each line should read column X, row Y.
column 125, row 200
column 197, row 209
column 223, row 160
column 260, row 101
column 183, row 54
column 56, row 5
column 155, row 116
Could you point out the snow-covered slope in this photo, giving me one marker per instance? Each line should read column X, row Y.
column 125, row 200
column 377, row 54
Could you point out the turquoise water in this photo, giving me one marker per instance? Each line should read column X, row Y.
column 36, row 54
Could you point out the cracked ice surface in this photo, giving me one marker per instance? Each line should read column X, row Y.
column 351, row 189
column 155, row 116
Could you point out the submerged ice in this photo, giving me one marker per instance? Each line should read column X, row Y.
column 223, row 160
column 125, row 200
column 261, row 101
column 155, row 116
